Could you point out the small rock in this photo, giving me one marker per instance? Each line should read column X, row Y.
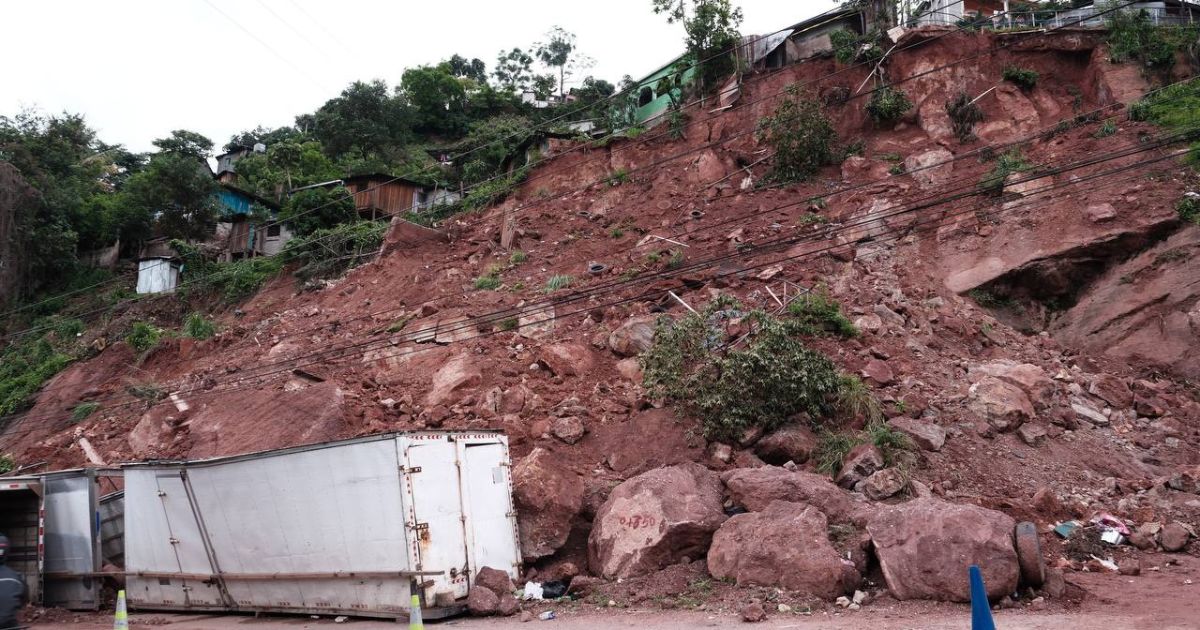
column 569, row 429
column 753, row 613
column 1031, row 434
column 508, row 605
column 1174, row 537
column 926, row 435
column 878, row 372
column 494, row 580
column 843, row 601
column 1100, row 212
column 720, row 452
column 526, row 616
column 481, row 601
column 861, row 462
column 1046, row 501
column 1130, row 566
column 882, row 484
column 859, row 597
column 869, row 323
column 854, row 606
column 784, row 608
column 1088, row 413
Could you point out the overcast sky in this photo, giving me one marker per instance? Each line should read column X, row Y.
column 140, row 68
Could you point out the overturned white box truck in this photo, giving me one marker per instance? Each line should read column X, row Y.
column 57, row 524
column 353, row 527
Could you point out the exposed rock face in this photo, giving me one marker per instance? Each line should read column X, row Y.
column 1002, row 405
column 926, row 546
column 548, row 497
column 633, row 337
column 926, row 435
column 654, row 519
column 785, row 546
column 650, row 439
column 755, row 489
column 794, row 443
column 930, row 168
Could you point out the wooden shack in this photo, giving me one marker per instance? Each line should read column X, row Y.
column 378, row 195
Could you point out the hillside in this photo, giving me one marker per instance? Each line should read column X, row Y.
column 1041, row 325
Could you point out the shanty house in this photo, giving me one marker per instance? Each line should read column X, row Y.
column 226, row 172
column 241, row 232
column 800, row 41
column 651, row 98
column 158, row 267
column 379, row 195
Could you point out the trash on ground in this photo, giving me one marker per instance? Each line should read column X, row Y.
column 1065, row 528
column 554, row 589
column 547, row 616
column 532, row 591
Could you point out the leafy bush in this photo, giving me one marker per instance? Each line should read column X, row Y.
column 7, row 463
column 730, row 389
column 1189, row 208
column 234, row 281
column 964, row 114
column 1012, row 161
column 143, row 336
column 888, row 105
column 1021, row 77
column 1176, row 108
column 318, row 208
column 801, row 135
column 557, row 282
column 1107, row 129
column 845, row 45
column 196, row 326
column 333, row 252
column 617, row 177
column 817, row 313
column 508, row 323
column 517, row 257
column 1132, row 36
column 484, row 194
column 147, row 391
column 83, row 410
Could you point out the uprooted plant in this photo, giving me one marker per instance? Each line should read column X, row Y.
column 801, row 135
column 736, row 369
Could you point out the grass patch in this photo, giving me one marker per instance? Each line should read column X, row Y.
column 557, row 282
column 617, row 177
column 897, row 449
column 1189, row 208
column 1107, row 129
column 488, row 282
column 1007, row 163
column 196, row 326
column 517, row 257
column 507, row 324
column 83, row 410
column 143, row 337
column 1176, row 108
column 817, row 313
column 31, row 359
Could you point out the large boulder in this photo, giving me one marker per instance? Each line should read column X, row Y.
column 1031, row 379
column 482, row 602
column 548, row 497
column 1001, row 404
column 932, row 168
column 794, row 443
column 786, row 546
column 458, row 374
column 633, row 337
column 756, row 488
column 655, row 519
column 1111, row 390
column 926, row 546
column 495, row 580
column 567, row 359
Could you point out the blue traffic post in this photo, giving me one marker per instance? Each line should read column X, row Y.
column 981, row 611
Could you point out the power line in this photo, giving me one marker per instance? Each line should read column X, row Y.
column 270, row 48
column 291, row 28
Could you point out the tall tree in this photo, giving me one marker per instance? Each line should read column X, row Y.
column 514, row 70
column 559, row 52
column 473, row 69
column 710, row 28
column 176, row 187
column 364, row 117
column 185, row 142
column 437, row 98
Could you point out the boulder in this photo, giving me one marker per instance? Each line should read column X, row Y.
column 878, row 372
column 1004, row 406
column 869, row 323
column 931, row 168
column 1174, row 537
column 495, row 580
column 861, row 462
column 569, row 429
column 926, row 435
column 785, row 546
column 1032, row 380
column 755, row 488
column 1100, row 212
column 794, row 443
column 548, row 497
column 753, row 613
column 926, row 546
column 508, row 605
column 654, row 519
column 567, row 359
column 459, row 373
column 633, row 337
column 482, row 602
column 883, row 484
column 1111, row 390
column 1084, row 411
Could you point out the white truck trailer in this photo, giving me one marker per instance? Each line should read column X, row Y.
column 352, row 527
column 55, row 535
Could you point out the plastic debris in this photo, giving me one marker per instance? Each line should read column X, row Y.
column 532, row 591
column 1107, row 563
column 1065, row 528
column 547, row 616
column 1112, row 537
column 554, row 589
column 340, row 619
column 1109, row 522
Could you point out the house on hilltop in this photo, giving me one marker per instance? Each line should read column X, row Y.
column 226, row 172
column 248, row 227
column 378, row 195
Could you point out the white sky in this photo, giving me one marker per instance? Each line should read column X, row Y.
column 137, row 69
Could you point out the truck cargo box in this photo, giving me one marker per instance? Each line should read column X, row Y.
column 352, row 527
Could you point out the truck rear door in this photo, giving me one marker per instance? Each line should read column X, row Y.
column 434, row 515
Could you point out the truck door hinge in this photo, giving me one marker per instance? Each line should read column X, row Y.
column 409, row 471
column 173, row 541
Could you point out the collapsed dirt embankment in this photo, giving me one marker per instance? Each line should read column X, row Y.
column 1038, row 424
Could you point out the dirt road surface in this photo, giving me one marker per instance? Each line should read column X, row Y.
column 1163, row 597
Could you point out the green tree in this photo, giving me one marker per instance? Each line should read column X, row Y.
column 710, row 28
column 559, row 52
column 364, row 117
column 514, row 70
column 286, row 155
column 543, row 86
column 437, row 98
column 176, row 188
column 263, row 135
column 187, row 143
column 318, row 208
column 473, row 69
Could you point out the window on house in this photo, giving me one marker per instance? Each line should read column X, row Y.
column 645, row 96
column 273, row 230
